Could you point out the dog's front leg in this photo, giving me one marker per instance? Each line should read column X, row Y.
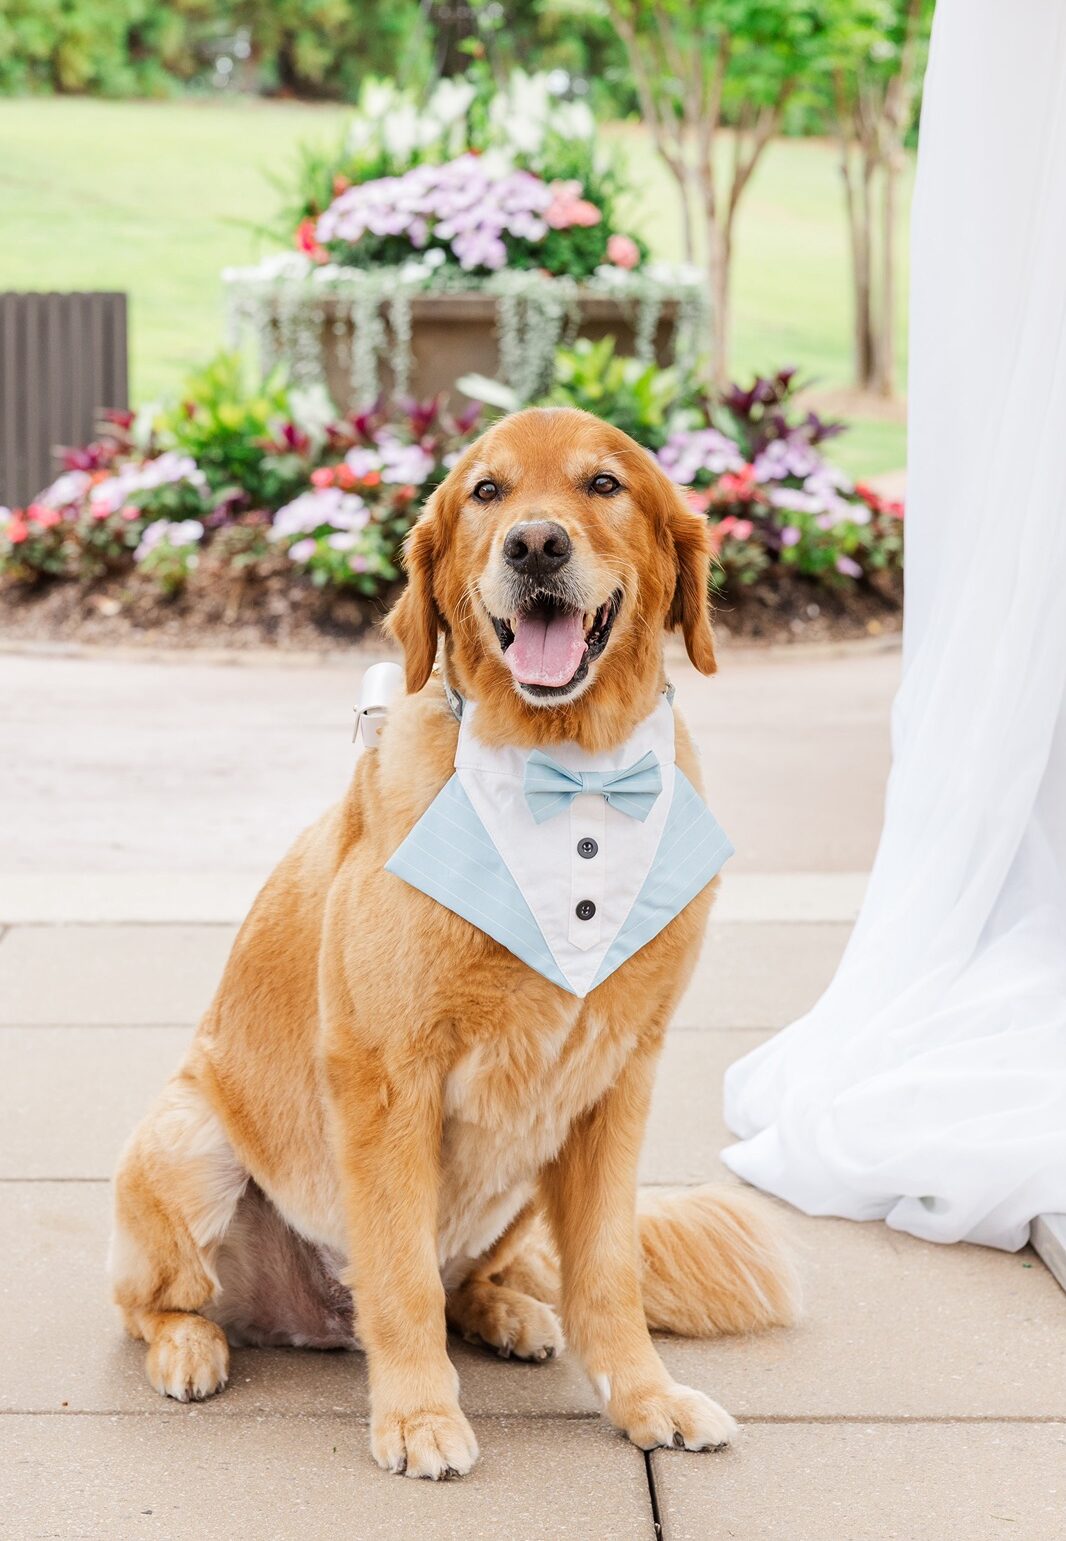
column 388, row 1133
column 590, row 1194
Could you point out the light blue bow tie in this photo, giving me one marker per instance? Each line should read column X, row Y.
column 550, row 788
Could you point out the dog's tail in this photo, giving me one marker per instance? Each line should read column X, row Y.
column 715, row 1261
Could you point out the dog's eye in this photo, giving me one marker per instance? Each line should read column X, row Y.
column 486, row 492
column 605, row 485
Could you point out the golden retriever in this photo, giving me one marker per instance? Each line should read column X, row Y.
column 384, row 1104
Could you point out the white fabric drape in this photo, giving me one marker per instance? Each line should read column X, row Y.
column 928, row 1086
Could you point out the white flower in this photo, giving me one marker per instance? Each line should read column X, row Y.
column 66, row 489
column 377, row 99
column 282, row 264
column 320, row 506
column 400, row 131
column 170, row 532
column 312, row 411
column 108, row 496
column 450, row 100
column 574, row 120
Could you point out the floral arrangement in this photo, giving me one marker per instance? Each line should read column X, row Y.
column 488, row 176
column 750, row 463
column 269, row 482
column 479, row 211
column 504, row 190
column 276, row 477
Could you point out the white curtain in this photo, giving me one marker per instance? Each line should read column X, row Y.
column 928, row 1086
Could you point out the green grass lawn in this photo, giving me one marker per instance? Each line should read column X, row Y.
column 156, row 198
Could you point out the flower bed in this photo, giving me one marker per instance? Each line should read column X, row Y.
column 503, row 195
column 266, row 505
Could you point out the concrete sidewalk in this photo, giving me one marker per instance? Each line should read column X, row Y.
column 923, row 1396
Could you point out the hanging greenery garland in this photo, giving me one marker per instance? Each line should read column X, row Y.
column 289, row 308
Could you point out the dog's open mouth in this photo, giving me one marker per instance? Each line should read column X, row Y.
column 548, row 647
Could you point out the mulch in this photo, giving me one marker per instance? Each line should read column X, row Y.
column 273, row 611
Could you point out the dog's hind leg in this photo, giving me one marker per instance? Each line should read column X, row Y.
column 506, row 1299
column 177, row 1187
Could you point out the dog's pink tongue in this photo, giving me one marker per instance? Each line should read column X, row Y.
column 546, row 649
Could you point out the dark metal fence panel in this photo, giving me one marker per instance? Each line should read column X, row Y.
column 63, row 359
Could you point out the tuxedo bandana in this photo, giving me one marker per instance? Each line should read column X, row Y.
column 571, row 862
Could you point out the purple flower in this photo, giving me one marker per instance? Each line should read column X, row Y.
column 790, row 536
column 360, row 461
column 321, row 506
column 470, row 203
column 791, row 456
column 691, row 451
column 848, row 567
column 403, row 463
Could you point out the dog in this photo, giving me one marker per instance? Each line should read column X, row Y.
column 388, row 1123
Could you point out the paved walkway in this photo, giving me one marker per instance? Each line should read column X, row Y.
column 923, row 1396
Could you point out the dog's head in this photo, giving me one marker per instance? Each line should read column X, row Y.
column 552, row 558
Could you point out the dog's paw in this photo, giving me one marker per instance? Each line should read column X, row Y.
column 675, row 1415
column 189, row 1359
column 431, row 1442
column 515, row 1325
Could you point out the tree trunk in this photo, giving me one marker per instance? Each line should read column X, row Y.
column 885, row 376
column 864, row 290
column 859, row 245
column 688, row 234
column 718, row 262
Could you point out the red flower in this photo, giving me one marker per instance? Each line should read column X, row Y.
column 307, row 241
column 45, row 517
column 323, row 476
column 17, row 530
column 872, row 499
column 341, row 184
column 372, row 479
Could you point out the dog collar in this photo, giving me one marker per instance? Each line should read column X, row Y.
column 577, row 894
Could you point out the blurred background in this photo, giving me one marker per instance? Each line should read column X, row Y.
column 690, row 218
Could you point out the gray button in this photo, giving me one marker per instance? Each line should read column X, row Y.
column 587, row 848
column 585, row 910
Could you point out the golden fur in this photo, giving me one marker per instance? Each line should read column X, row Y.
column 382, row 1098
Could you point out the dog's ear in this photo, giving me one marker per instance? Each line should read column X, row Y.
column 691, row 607
column 414, row 619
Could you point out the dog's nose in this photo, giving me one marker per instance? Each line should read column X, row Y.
column 537, row 548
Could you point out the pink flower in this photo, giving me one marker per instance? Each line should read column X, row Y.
column 568, row 208
column 739, row 529
column 322, row 477
column 16, row 530
column 43, row 516
column 623, row 251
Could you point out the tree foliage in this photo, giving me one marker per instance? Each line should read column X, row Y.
column 154, row 47
column 704, row 66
